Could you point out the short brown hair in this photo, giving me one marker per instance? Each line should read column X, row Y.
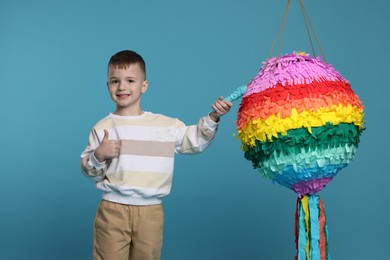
column 125, row 58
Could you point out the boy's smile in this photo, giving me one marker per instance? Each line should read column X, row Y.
column 126, row 85
column 122, row 96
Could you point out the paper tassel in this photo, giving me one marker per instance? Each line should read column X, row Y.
column 311, row 234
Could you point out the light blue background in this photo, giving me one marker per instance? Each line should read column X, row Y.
column 53, row 57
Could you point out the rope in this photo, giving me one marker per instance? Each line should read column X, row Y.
column 282, row 27
column 284, row 19
column 306, row 17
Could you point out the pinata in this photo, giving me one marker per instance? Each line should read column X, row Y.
column 299, row 123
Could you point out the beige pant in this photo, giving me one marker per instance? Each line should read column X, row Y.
column 128, row 232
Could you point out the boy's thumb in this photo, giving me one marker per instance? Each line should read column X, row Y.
column 105, row 137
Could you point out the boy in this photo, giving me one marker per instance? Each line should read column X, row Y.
column 130, row 156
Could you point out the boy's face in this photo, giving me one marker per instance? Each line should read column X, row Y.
column 125, row 87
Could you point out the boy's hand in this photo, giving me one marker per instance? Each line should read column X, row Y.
column 220, row 108
column 108, row 149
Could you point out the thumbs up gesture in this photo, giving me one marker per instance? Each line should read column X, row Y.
column 108, row 149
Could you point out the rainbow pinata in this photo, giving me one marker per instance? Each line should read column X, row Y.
column 299, row 122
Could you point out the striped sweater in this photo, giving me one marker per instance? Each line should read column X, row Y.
column 142, row 174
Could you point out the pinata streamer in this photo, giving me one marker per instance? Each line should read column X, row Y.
column 311, row 231
column 299, row 123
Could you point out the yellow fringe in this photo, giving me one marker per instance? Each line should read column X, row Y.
column 265, row 130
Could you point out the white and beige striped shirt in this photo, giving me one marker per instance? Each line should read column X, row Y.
column 142, row 174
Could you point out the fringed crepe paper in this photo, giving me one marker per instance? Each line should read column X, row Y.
column 299, row 123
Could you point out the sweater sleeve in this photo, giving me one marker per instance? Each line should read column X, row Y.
column 196, row 138
column 90, row 166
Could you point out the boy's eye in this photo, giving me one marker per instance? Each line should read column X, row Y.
column 130, row 81
column 114, row 81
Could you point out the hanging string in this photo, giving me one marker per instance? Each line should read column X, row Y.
column 307, row 21
column 282, row 27
column 284, row 22
column 305, row 18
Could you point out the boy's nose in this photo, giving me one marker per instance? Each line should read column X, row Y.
column 121, row 85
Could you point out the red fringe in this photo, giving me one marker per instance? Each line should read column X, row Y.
column 281, row 99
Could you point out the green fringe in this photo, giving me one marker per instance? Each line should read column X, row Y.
column 324, row 137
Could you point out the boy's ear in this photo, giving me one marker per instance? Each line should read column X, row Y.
column 145, row 85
